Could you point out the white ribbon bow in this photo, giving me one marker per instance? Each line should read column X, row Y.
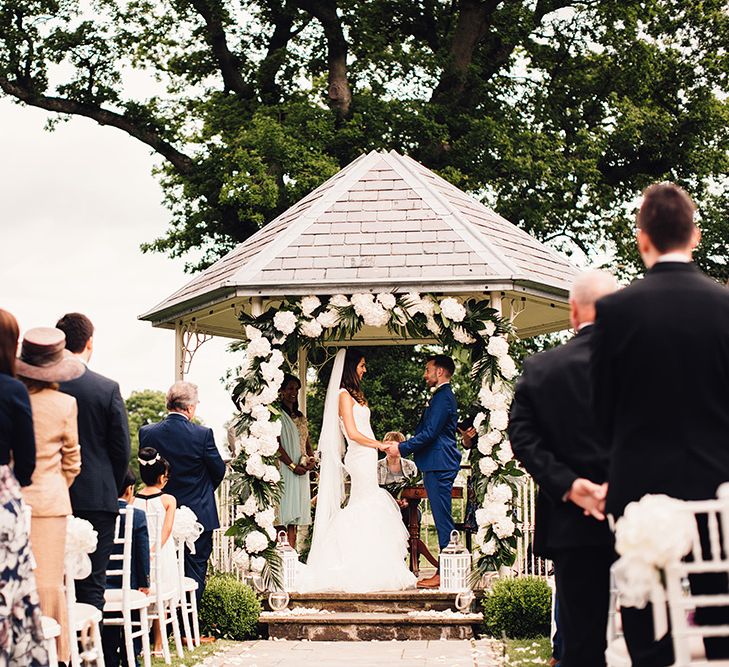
column 186, row 527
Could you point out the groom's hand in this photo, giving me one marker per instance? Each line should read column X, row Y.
column 392, row 448
column 589, row 496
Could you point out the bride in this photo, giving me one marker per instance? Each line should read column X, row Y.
column 362, row 547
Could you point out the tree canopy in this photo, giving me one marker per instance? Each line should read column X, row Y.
column 554, row 112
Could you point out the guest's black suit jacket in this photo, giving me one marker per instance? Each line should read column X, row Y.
column 554, row 435
column 103, row 433
column 661, row 385
column 196, row 467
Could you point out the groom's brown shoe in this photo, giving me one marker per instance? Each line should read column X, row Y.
column 430, row 582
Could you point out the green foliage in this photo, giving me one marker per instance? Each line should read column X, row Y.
column 143, row 407
column 518, row 608
column 228, row 608
column 555, row 113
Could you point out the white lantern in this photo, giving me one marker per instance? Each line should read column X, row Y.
column 289, row 561
column 455, row 566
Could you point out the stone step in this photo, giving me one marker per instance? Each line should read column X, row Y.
column 380, row 602
column 313, row 625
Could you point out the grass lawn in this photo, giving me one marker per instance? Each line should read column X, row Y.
column 193, row 657
column 528, row 652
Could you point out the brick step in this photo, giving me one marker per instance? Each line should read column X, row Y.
column 380, row 602
column 367, row 626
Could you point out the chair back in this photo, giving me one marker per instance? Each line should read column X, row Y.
column 708, row 556
column 155, row 521
column 120, row 564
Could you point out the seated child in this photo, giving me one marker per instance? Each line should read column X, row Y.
column 114, row 650
column 394, row 470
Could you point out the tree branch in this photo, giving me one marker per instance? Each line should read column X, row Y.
column 325, row 11
column 212, row 14
column 181, row 162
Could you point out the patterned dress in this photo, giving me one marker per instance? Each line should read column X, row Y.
column 21, row 636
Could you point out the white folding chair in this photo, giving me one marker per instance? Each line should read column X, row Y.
column 84, row 622
column 164, row 602
column 188, row 600
column 51, row 630
column 120, row 603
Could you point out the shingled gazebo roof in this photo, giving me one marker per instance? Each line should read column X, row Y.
column 383, row 223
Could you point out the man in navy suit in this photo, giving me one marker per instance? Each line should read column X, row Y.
column 435, row 451
column 196, row 469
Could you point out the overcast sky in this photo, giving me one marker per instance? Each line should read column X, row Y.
column 76, row 204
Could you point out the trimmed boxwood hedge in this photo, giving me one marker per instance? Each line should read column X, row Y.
column 228, row 609
column 518, row 608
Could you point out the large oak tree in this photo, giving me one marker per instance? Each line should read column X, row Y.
column 554, row 112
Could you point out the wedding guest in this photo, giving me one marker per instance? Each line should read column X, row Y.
column 20, row 627
column 105, row 449
column 114, row 650
column 160, row 510
column 296, row 460
column 196, row 466
column 660, row 381
column 42, row 364
column 394, row 471
column 554, row 435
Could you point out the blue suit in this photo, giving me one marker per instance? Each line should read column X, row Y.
column 437, row 456
column 196, row 470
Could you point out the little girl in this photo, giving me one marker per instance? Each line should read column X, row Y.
column 154, row 471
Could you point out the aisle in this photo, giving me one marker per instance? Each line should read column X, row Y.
column 262, row 653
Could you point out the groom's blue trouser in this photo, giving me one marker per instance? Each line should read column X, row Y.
column 439, row 485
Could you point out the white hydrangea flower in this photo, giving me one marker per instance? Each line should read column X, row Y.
column 268, row 447
column 256, row 542
column 460, row 334
column 271, row 475
column 484, row 446
column 266, row 430
column 271, row 532
column 491, row 513
column 376, row 316
column 241, row 560
column 387, row 300
column 309, row 304
column 285, row 321
column 487, row 466
column 270, row 392
column 255, row 466
column 310, row 328
column 250, row 506
column 500, row 494
column 504, row 528
column 257, row 564
column 270, row 372
column 478, row 420
column 432, row 325
column 489, row 548
column 492, row 398
column 266, row 517
column 339, row 300
column 252, row 333
column 499, row 420
column 488, row 328
column 259, row 347
column 251, row 445
column 505, row 453
column 399, row 315
column 328, row 319
column 276, row 358
column 361, row 302
column 493, row 438
column 261, row 413
column 507, row 366
column 452, row 309
column 498, row 347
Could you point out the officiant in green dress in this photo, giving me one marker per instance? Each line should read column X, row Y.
column 296, row 460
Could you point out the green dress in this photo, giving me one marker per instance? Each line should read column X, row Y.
column 295, row 509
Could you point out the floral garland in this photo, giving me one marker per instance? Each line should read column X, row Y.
column 470, row 329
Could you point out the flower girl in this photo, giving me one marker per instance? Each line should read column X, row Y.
column 154, row 471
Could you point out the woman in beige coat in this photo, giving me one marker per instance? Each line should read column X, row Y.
column 42, row 364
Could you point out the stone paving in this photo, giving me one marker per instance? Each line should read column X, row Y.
column 262, row 653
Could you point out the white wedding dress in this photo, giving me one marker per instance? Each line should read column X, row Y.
column 362, row 547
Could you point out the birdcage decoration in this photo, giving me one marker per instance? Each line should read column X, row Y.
column 455, row 566
column 289, row 561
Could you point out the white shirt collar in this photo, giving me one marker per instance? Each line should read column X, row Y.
column 173, row 412
column 674, row 257
column 438, row 386
column 583, row 325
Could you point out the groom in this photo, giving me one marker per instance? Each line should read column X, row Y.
column 435, row 451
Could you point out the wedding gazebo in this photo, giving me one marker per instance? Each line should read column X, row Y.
column 383, row 223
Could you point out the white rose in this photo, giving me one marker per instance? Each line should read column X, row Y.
column 285, row 322
column 488, row 328
column 241, row 560
column 256, row 542
column 250, row 506
column 453, row 310
column 271, row 475
column 310, row 328
column 487, row 466
column 507, row 366
column 259, row 347
column 339, row 300
column 255, row 466
column 266, row 517
column 504, row 528
column 252, row 333
column 460, row 335
column 505, row 453
column 498, row 347
column 387, row 300
column 328, row 319
column 257, row 564
column 309, row 304
column 499, row 420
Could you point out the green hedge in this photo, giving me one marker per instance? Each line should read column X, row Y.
column 519, row 608
column 228, row 609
